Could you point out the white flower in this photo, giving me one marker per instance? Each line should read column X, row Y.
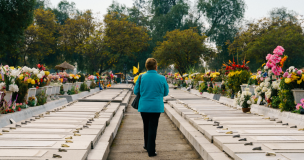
column 267, row 79
column 2, row 84
column 71, row 77
column 291, row 69
column 262, row 85
column 269, row 72
column 35, row 71
column 268, row 94
column 13, row 88
column 265, row 67
column 264, row 89
column 267, row 84
column 249, row 102
column 42, row 73
column 14, row 73
column 247, row 89
column 39, row 76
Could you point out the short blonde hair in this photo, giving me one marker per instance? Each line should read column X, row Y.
column 151, row 64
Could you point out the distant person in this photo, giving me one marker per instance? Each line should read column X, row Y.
column 153, row 88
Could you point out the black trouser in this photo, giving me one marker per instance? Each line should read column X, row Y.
column 150, row 121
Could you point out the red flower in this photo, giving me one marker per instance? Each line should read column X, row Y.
column 19, row 109
column 38, row 65
column 37, row 87
column 41, row 80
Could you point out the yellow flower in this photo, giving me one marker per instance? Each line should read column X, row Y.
column 46, row 73
column 287, row 80
column 32, row 81
column 12, row 68
column 253, row 77
column 29, row 80
column 186, row 78
column 21, row 77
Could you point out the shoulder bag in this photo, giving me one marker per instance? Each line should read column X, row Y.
column 135, row 102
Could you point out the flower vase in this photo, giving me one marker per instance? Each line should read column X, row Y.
column 8, row 96
column 57, row 92
column 88, row 83
column 243, row 87
column 69, row 86
column 298, row 94
column 53, row 92
column 219, row 84
column 245, row 110
column 31, row 93
column 38, row 91
column 49, row 93
column 66, row 88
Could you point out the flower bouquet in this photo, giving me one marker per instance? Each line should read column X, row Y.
column 300, row 107
column 246, row 100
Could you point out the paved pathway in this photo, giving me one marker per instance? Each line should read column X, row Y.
column 170, row 143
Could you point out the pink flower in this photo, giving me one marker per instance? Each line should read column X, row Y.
column 268, row 56
column 285, row 74
column 262, row 78
column 298, row 106
column 259, row 72
column 276, row 70
column 269, row 64
column 299, row 72
column 275, row 59
column 289, row 76
column 302, row 101
column 279, row 50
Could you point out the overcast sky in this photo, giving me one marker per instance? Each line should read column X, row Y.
column 255, row 8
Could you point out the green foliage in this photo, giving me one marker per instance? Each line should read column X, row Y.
column 237, row 79
column 93, row 85
column 23, row 89
column 285, row 95
column 203, row 87
column 210, row 90
column 275, row 101
column 41, row 98
column 84, row 87
column 264, row 35
column 216, row 90
column 183, row 49
column 15, row 17
column 223, row 18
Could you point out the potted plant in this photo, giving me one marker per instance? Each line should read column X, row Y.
column 246, row 100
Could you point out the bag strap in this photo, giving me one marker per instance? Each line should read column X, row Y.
column 139, row 83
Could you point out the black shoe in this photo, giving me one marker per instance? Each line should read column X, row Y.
column 145, row 148
column 153, row 155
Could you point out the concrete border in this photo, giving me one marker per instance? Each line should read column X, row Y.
column 30, row 112
column 207, row 150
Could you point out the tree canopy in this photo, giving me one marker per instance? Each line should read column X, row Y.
column 183, row 49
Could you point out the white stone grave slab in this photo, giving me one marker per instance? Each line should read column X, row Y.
column 22, row 153
column 290, row 131
column 285, row 146
column 27, row 143
column 79, row 145
column 42, row 154
column 260, row 156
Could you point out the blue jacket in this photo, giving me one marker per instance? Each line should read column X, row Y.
column 153, row 88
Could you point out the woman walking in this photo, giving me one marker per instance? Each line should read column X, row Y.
column 153, row 87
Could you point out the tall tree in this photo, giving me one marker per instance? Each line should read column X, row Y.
column 184, row 49
column 263, row 36
column 223, row 17
column 39, row 36
column 15, row 17
column 73, row 33
column 122, row 37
